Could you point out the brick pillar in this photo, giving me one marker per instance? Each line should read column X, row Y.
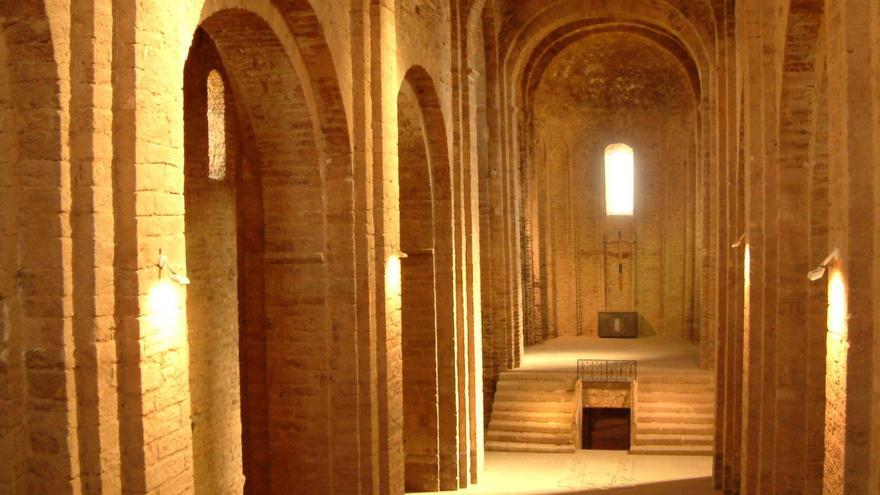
column 792, row 365
column 386, row 219
column 155, row 434
column 849, row 425
column 37, row 305
column 91, row 153
column 753, row 330
column 365, row 38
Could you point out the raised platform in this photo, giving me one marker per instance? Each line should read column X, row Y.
column 666, row 424
column 672, row 399
column 652, row 353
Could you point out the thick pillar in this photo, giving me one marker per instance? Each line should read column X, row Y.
column 155, row 433
column 849, row 425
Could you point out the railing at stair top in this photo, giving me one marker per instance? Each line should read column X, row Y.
column 602, row 370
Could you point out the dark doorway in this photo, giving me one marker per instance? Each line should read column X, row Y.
column 606, row 428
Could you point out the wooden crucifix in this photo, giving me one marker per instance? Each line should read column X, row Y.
column 608, row 249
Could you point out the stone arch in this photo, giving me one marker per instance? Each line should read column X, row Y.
column 34, row 322
column 292, row 199
column 698, row 41
column 298, row 30
column 560, row 39
column 424, row 161
column 702, row 15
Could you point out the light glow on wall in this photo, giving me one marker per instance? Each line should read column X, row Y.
column 619, row 180
column 165, row 308
column 838, row 311
column 747, row 277
column 393, row 276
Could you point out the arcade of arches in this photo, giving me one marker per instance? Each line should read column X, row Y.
column 302, row 246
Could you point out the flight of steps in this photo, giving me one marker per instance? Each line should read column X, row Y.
column 533, row 412
column 674, row 413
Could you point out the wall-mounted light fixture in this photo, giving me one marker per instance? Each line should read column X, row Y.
column 739, row 241
column 819, row 272
column 177, row 277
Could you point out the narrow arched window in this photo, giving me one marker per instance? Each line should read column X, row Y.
column 619, row 180
column 216, row 126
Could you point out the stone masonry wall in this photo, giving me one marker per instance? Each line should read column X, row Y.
column 212, row 262
column 586, row 101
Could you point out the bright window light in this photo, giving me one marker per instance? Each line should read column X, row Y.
column 216, row 126
column 619, row 180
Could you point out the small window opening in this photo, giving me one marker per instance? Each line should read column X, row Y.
column 216, row 126
column 619, row 180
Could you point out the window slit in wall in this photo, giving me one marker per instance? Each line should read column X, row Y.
column 619, row 180
column 216, row 126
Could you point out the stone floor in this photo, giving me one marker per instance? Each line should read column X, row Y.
column 562, row 353
column 593, row 472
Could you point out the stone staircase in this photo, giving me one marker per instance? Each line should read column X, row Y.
column 533, row 412
column 674, row 413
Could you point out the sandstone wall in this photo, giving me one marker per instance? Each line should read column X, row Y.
column 586, row 101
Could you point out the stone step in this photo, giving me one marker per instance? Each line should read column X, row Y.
column 672, row 450
column 678, row 388
column 650, row 408
column 529, row 437
column 532, row 416
column 530, row 426
column 529, row 447
column 684, row 381
column 672, row 397
column 672, row 439
column 652, row 428
column 538, row 376
column 537, row 385
column 557, row 407
column 676, row 418
column 534, row 396
column 693, row 377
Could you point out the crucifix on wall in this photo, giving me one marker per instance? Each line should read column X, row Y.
column 621, row 253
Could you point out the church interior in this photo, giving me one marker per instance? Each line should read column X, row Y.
column 511, row 247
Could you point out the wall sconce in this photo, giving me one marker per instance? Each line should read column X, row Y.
column 177, row 277
column 739, row 241
column 819, row 272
